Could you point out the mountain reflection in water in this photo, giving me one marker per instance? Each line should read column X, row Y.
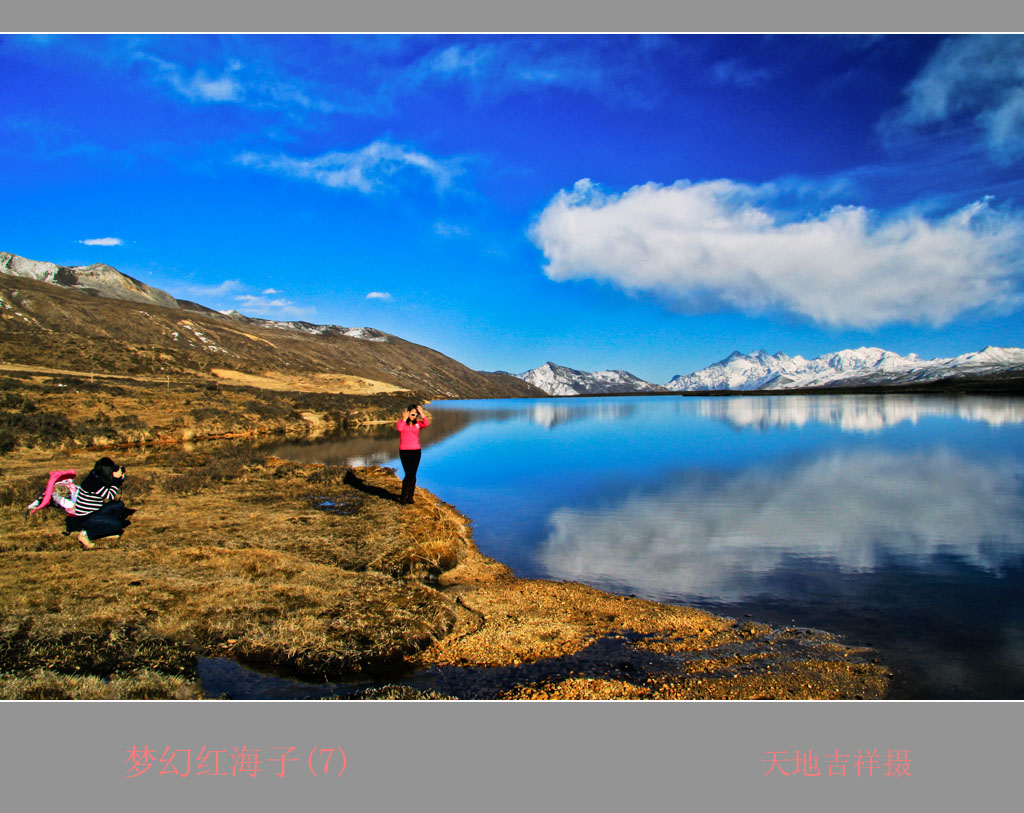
column 894, row 520
column 859, row 413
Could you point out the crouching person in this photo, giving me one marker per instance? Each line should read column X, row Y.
column 97, row 512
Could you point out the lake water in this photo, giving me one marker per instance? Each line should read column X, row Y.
column 895, row 521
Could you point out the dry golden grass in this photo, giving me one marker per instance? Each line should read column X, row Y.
column 47, row 371
column 144, row 684
column 57, row 411
column 320, row 571
column 228, row 556
column 804, row 680
column 260, row 606
column 310, row 382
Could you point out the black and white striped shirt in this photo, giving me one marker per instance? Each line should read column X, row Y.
column 88, row 501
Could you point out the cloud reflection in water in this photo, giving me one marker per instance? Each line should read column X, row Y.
column 724, row 537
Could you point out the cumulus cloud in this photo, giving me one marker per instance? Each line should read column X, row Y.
column 378, row 295
column 370, row 169
column 724, row 244
column 271, row 291
column 102, row 241
column 979, row 79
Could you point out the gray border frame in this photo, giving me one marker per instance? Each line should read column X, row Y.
column 472, row 755
column 507, row 756
column 465, row 16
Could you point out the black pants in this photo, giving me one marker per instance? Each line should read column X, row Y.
column 410, row 462
column 110, row 520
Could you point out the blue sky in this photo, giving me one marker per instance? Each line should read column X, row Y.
column 648, row 203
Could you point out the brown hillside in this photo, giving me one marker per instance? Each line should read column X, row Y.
column 45, row 325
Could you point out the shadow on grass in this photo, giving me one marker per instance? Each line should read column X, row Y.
column 353, row 479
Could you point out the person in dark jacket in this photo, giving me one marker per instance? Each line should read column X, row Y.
column 97, row 512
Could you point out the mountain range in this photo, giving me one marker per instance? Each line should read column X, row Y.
column 864, row 367
column 95, row 318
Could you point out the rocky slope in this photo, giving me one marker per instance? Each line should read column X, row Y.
column 95, row 319
column 97, row 279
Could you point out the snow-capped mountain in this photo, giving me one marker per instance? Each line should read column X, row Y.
column 557, row 380
column 862, row 367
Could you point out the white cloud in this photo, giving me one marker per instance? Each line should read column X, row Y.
column 265, row 304
column 262, row 301
column 496, row 68
column 273, row 308
column 720, row 244
column 221, row 89
column 198, row 86
column 102, row 241
column 615, row 69
column 196, row 290
column 370, row 75
column 977, row 78
column 378, row 295
column 367, row 170
column 258, row 87
column 459, row 60
column 276, row 93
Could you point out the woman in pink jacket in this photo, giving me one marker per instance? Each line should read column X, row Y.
column 408, row 426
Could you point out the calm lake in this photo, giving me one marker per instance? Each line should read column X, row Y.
column 895, row 521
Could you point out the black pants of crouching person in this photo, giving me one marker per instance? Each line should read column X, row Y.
column 410, row 463
column 110, row 520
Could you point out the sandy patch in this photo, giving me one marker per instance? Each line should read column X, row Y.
column 312, row 382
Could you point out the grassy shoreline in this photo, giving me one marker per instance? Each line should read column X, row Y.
column 319, row 571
